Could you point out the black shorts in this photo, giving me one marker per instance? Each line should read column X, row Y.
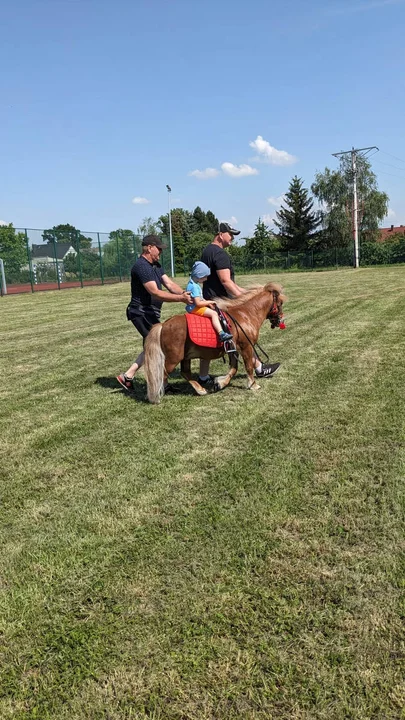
column 143, row 321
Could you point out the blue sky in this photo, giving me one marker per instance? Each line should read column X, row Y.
column 103, row 102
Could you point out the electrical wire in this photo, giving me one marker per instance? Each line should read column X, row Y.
column 393, row 156
column 381, row 162
column 401, row 177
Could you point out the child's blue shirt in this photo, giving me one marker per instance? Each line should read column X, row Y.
column 195, row 290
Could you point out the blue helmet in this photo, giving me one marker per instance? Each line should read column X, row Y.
column 200, row 270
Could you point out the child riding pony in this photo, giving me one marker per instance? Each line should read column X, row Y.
column 169, row 343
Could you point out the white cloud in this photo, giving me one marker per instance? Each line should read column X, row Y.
column 269, row 154
column 276, row 201
column 237, row 171
column 3, row 222
column 391, row 213
column 232, row 221
column 268, row 218
column 140, row 201
column 205, row 174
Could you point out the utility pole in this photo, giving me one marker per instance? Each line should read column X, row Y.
column 170, row 229
column 355, row 224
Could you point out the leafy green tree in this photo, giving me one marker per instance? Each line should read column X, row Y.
column 182, row 223
column 89, row 265
column 120, row 252
column 261, row 245
column 13, row 251
column 297, row 222
column 238, row 254
column 148, row 226
column 334, row 190
column 195, row 246
column 67, row 233
column 182, row 228
column 128, row 248
column 191, row 232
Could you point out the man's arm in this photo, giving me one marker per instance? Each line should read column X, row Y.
column 163, row 296
column 231, row 287
column 171, row 285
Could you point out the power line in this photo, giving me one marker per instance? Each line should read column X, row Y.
column 381, row 162
column 393, row 156
column 400, row 177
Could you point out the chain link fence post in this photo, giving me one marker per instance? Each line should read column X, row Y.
column 29, row 260
column 101, row 259
column 79, row 257
column 119, row 260
column 56, row 260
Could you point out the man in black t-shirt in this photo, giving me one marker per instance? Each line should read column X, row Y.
column 147, row 297
column 221, row 283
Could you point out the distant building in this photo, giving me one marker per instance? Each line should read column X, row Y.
column 46, row 253
column 386, row 233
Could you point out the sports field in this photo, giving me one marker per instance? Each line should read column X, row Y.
column 238, row 555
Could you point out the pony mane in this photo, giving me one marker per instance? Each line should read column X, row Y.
column 249, row 295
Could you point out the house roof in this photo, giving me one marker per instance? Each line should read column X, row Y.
column 386, row 232
column 61, row 249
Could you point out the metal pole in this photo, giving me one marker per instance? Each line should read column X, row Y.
column 56, row 261
column 101, row 259
column 79, row 257
column 29, row 260
column 3, row 279
column 355, row 225
column 170, row 230
column 119, row 259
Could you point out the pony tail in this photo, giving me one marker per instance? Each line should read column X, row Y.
column 154, row 365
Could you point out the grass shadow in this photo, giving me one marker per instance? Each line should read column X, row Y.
column 139, row 388
column 110, row 383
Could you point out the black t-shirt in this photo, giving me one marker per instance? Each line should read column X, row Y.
column 217, row 259
column 141, row 301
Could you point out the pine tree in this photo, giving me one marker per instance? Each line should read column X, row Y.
column 297, row 222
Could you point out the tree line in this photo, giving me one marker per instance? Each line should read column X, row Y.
column 317, row 219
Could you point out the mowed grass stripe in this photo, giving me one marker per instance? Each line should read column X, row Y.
column 233, row 579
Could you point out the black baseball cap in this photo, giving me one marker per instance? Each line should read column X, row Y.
column 225, row 227
column 153, row 240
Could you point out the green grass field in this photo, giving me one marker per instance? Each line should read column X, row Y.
column 238, row 555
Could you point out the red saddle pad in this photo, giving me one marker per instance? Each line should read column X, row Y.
column 201, row 331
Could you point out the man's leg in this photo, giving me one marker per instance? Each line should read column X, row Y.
column 135, row 366
column 143, row 326
column 204, row 375
column 265, row 370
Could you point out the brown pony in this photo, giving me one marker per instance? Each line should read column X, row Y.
column 168, row 343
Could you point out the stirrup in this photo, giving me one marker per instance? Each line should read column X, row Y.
column 229, row 346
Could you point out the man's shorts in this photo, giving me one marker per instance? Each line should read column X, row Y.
column 143, row 321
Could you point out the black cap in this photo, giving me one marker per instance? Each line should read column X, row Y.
column 225, row 227
column 153, row 240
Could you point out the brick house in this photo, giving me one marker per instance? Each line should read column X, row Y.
column 385, row 233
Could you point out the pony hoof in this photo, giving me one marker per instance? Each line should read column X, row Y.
column 254, row 386
column 197, row 387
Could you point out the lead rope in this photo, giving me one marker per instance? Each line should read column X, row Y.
column 255, row 345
